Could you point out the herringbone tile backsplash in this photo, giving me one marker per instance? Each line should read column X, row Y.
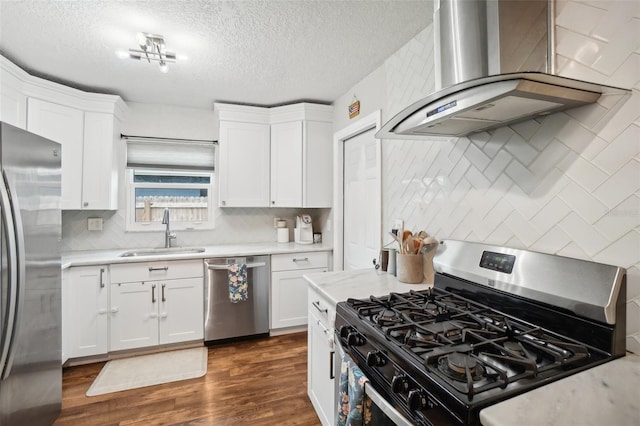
column 567, row 184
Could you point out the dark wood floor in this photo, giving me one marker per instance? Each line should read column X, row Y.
column 255, row 382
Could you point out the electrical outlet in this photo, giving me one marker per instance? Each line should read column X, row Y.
column 94, row 224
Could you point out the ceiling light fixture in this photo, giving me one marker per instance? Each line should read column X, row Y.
column 152, row 48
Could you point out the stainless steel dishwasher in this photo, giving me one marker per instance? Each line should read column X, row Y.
column 226, row 320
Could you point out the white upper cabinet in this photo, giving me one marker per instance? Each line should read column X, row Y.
column 64, row 125
column 87, row 125
column 318, row 164
column 13, row 102
column 286, row 164
column 100, row 155
column 278, row 157
column 243, row 164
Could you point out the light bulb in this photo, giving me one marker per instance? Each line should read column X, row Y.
column 163, row 67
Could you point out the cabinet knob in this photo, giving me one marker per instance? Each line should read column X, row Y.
column 102, row 311
column 153, row 315
column 85, row 204
column 114, row 310
column 273, row 202
column 223, row 202
column 163, row 315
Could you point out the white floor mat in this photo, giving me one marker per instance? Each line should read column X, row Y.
column 148, row 370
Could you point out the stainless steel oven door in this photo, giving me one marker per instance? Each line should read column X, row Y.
column 391, row 415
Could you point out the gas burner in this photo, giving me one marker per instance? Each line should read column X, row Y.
column 431, row 308
column 415, row 338
column 446, row 329
column 387, row 317
column 457, row 365
column 514, row 346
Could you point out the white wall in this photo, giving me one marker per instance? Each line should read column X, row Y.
column 370, row 91
column 568, row 184
column 232, row 225
column 167, row 121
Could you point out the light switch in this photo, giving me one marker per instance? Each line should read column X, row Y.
column 94, row 224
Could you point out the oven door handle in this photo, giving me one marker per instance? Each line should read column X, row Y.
column 386, row 407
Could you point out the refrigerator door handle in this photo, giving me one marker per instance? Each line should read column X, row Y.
column 6, row 347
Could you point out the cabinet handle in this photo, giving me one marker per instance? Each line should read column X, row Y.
column 163, row 315
column 164, row 268
column 331, row 356
column 101, row 277
column 114, row 310
column 305, row 259
column 102, row 311
column 163, row 298
column 153, row 315
column 317, row 306
column 153, row 293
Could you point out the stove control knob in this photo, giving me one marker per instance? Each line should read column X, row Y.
column 399, row 383
column 354, row 339
column 416, row 400
column 376, row 359
column 345, row 330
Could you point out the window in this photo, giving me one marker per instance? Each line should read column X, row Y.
column 187, row 195
column 169, row 174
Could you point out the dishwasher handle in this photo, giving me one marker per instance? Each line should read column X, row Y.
column 225, row 267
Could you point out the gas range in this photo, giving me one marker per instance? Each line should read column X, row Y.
column 488, row 330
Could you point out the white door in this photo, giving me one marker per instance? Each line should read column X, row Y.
column 134, row 315
column 64, row 125
column 244, row 164
column 286, row 164
column 361, row 200
column 181, row 313
column 86, row 307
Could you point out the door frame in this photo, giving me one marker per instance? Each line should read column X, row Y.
column 371, row 121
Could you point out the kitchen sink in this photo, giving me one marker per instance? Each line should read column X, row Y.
column 162, row 251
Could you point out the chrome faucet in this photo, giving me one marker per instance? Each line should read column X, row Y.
column 168, row 235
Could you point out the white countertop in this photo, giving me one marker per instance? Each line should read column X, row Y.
column 603, row 395
column 103, row 257
column 359, row 284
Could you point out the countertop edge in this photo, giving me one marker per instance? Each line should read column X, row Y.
column 102, row 257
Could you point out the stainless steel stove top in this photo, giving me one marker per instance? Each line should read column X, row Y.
column 487, row 330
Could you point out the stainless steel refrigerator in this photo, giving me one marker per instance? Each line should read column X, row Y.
column 30, row 308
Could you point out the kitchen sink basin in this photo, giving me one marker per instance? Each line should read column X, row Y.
column 162, row 251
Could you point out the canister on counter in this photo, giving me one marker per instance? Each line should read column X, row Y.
column 391, row 267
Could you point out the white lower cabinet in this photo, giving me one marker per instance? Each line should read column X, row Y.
column 320, row 357
column 159, row 310
column 86, row 303
column 66, row 323
column 289, row 288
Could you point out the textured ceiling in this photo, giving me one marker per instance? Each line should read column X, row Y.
column 251, row 52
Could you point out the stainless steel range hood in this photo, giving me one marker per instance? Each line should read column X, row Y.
column 494, row 67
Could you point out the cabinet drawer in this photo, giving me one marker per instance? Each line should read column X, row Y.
column 156, row 270
column 295, row 261
column 321, row 308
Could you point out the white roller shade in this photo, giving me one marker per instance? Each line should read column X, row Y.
column 175, row 154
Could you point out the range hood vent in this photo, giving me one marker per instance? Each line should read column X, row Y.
column 494, row 67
